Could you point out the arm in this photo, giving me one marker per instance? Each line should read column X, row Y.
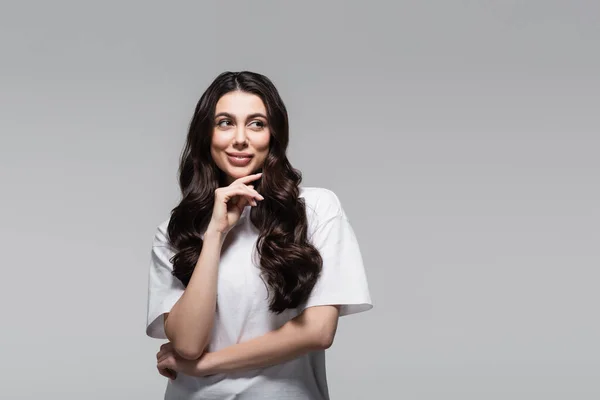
column 189, row 323
column 313, row 329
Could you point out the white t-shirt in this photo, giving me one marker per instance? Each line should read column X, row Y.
column 242, row 304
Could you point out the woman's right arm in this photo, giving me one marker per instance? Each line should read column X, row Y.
column 189, row 323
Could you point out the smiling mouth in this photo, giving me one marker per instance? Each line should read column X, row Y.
column 239, row 161
column 239, row 156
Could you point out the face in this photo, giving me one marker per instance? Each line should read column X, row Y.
column 240, row 137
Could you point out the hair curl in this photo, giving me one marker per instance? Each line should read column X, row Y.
column 290, row 265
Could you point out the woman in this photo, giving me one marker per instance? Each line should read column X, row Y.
column 249, row 275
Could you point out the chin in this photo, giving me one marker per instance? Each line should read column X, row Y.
column 239, row 172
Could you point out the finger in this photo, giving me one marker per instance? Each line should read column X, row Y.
column 243, row 202
column 163, row 371
column 161, row 351
column 253, row 201
column 161, row 354
column 252, row 192
column 165, row 348
column 170, row 373
column 234, row 195
column 163, row 357
column 256, row 194
column 237, row 188
column 247, row 199
column 248, row 178
column 167, row 372
column 230, row 194
column 165, row 363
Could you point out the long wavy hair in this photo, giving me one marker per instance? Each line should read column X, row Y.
column 289, row 263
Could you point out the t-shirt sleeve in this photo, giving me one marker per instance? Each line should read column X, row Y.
column 164, row 289
column 343, row 278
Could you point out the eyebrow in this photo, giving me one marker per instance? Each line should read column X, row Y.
column 255, row 115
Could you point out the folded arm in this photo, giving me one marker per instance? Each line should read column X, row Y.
column 314, row 329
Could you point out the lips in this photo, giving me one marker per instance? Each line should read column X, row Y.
column 238, row 154
column 239, row 159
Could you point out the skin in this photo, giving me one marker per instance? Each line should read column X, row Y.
column 241, row 125
column 313, row 329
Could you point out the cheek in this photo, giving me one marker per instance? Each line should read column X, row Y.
column 262, row 143
column 218, row 142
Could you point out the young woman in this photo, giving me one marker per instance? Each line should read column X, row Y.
column 251, row 271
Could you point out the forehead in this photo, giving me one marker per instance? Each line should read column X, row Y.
column 240, row 103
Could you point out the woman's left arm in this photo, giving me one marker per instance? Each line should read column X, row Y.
column 313, row 329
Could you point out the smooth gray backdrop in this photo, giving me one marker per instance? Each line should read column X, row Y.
column 461, row 136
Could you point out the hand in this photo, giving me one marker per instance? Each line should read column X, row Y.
column 169, row 363
column 230, row 202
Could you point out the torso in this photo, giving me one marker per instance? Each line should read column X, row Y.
column 243, row 313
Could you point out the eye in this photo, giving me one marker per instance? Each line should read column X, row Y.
column 259, row 125
column 220, row 123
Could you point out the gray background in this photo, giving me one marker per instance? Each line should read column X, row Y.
column 461, row 137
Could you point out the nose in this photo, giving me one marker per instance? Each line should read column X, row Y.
column 240, row 135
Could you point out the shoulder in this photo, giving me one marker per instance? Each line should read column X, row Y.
column 322, row 204
column 161, row 236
